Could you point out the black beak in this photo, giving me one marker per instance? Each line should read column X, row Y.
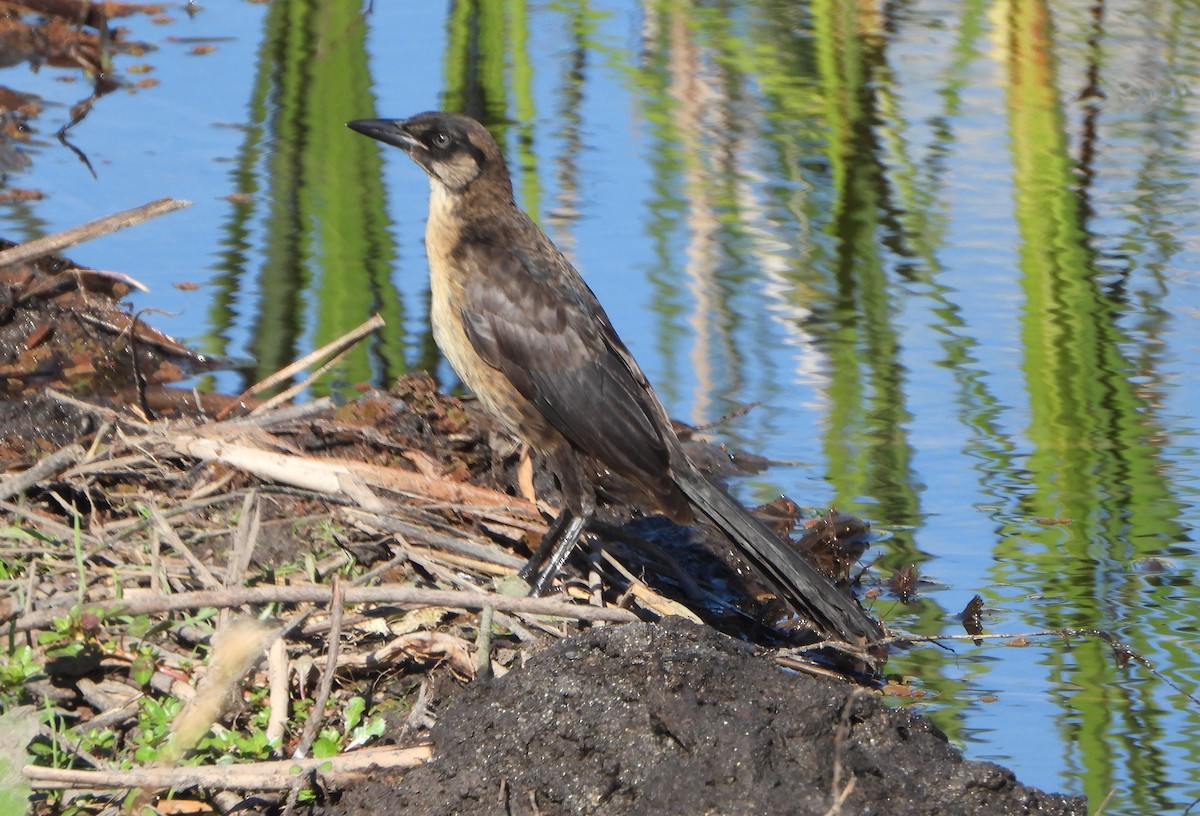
column 388, row 131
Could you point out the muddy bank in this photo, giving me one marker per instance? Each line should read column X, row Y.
column 676, row 718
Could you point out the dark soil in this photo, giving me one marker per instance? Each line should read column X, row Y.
column 676, row 718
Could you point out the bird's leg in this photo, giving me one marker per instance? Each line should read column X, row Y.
column 570, row 531
column 545, row 547
column 579, row 506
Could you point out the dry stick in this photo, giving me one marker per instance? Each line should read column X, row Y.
column 1111, row 793
column 62, row 531
column 277, row 683
column 253, row 776
column 106, row 414
column 431, row 563
column 203, row 573
column 277, row 416
column 460, row 543
column 346, row 477
column 838, row 792
column 483, row 644
column 346, row 340
column 40, row 247
column 51, row 465
column 320, row 475
column 244, row 539
column 317, row 373
column 336, row 607
column 611, row 532
column 98, row 439
column 507, row 621
column 836, row 808
column 398, row 594
column 645, row 595
column 249, row 524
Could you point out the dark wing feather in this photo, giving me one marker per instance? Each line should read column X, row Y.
column 532, row 317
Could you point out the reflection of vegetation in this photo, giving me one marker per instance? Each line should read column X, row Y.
column 327, row 252
column 826, row 107
column 1091, row 429
column 825, row 90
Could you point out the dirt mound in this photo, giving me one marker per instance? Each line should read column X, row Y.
column 676, row 718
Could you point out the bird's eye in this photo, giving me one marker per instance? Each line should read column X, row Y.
column 440, row 139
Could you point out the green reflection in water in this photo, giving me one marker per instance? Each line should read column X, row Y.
column 870, row 207
column 328, row 256
column 1096, row 454
column 867, row 448
column 726, row 89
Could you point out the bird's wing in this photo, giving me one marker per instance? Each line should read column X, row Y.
column 535, row 320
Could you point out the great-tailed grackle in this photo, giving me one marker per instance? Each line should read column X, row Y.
column 527, row 336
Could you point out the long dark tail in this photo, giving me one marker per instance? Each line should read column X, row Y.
column 834, row 613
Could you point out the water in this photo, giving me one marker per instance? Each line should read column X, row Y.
column 950, row 247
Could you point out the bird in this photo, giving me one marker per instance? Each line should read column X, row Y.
column 524, row 332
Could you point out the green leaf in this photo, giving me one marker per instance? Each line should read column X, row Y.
column 324, row 747
column 353, row 712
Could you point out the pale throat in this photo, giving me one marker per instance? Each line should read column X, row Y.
column 441, row 200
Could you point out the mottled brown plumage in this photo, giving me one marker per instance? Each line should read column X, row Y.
column 525, row 333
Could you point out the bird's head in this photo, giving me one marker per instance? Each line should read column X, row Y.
column 453, row 149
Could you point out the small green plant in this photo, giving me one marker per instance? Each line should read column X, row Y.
column 356, row 731
column 153, row 727
column 73, row 642
column 17, row 668
column 143, row 663
column 360, row 731
column 13, row 568
column 327, row 532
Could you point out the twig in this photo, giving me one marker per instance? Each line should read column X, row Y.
column 106, row 414
column 336, row 607
column 1103, row 805
column 245, row 537
column 202, row 572
column 840, row 736
column 645, row 595
column 341, row 477
column 51, row 465
column 321, row 475
column 258, row 776
column 345, row 341
column 59, row 241
column 287, row 393
column 284, row 413
column 65, row 532
column 840, row 799
column 483, row 644
column 399, row 594
column 459, row 543
column 277, row 682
